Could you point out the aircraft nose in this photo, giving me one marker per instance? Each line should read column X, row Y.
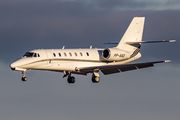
column 17, row 65
column 13, row 66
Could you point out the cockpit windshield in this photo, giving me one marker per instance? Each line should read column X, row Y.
column 28, row 54
column 31, row 54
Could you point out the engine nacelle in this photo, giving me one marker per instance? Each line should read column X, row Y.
column 114, row 54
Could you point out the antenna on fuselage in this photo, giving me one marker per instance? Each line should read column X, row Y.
column 63, row 47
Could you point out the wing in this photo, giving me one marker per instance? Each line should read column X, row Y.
column 110, row 69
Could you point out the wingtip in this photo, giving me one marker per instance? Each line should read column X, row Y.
column 167, row 61
column 172, row 40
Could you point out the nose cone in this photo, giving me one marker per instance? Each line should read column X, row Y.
column 16, row 64
column 13, row 65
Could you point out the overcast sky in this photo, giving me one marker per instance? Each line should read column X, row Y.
column 147, row 94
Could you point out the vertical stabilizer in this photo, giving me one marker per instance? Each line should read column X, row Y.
column 133, row 34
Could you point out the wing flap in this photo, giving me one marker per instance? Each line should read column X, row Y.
column 145, row 65
column 110, row 71
column 123, row 69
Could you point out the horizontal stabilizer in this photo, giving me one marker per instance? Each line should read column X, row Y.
column 111, row 43
column 157, row 41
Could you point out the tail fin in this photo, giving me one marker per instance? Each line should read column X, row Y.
column 133, row 34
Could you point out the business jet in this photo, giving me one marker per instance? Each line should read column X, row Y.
column 92, row 60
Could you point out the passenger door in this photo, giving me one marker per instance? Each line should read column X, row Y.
column 49, row 59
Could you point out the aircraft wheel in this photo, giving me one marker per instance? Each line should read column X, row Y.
column 71, row 80
column 95, row 79
column 24, row 79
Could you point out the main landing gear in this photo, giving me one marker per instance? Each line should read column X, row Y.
column 95, row 77
column 24, row 78
column 71, row 79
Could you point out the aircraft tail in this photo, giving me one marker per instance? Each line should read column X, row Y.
column 133, row 33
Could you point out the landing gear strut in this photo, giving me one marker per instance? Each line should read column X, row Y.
column 95, row 77
column 24, row 78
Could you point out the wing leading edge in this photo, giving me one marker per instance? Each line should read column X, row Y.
column 110, row 69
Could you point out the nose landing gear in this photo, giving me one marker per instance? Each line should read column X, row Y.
column 24, row 78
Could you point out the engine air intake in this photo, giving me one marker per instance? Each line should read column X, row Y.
column 114, row 54
column 106, row 53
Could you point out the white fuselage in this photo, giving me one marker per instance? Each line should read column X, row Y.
column 84, row 61
column 65, row 60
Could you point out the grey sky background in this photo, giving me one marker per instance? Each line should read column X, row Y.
column 149, row 94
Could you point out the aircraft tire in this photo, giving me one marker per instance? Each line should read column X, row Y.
column 24, row 79
column 95, row 79
column 71, row 80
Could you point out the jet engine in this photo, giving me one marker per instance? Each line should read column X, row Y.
column 114, row 54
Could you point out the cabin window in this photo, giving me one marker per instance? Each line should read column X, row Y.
column 59, row 54
column 38, row 55
column 87, row 54
column 70, row 54
column 54, row 54
column 75, row 54
column 65, row 54
column 81, row 54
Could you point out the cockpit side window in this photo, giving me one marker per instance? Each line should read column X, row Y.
column 28, row 54
column 31, row 54
column 35, row 55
